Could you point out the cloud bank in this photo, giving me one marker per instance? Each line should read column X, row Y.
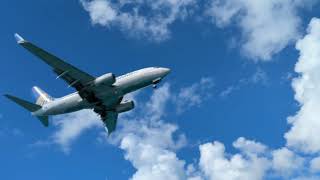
column 193, row 95
column 298, row 159
column 151, row 146
column 306, row 123
column 265, row 27
column 150, row 143
column 71, row 126
column 148, row 19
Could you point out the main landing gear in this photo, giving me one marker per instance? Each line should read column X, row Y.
column 154, row 86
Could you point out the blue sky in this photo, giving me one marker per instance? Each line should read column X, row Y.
column 239, row 69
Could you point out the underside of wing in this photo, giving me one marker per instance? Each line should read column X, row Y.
column 72, row 75
column 75, row 77
column 110, row 121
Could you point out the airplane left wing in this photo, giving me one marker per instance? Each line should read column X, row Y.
column 110, row 121
column 72, row 75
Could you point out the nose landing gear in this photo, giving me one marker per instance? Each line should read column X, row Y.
column 155, row 83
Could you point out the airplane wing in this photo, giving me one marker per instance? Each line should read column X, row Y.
column 76, row 78
column 110, row 121
column 72, row 75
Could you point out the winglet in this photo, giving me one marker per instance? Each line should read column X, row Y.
column 19, row 39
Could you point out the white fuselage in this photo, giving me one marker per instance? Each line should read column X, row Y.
column 110, row 97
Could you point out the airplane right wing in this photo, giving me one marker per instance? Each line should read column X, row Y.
column 72, row 75
column 75, row 77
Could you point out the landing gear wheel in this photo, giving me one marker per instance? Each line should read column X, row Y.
column 154, row 86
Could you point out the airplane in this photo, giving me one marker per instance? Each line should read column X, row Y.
column 103, row 94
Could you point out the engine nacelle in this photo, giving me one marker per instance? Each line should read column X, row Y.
column 106, row 79
column 126, row 106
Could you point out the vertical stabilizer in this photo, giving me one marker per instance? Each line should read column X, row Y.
column 42, row 97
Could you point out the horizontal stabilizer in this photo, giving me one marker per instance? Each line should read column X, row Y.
column 30, row 107
column 27, row 105
column 44, row 120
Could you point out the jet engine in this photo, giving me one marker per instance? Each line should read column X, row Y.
column 125, row 106
column 106, row 79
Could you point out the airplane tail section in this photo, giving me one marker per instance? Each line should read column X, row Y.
column 30, row 107
column 44, row 120
column 42, row 97
column 27, row 105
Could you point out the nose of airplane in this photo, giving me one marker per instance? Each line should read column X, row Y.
column 165, row 71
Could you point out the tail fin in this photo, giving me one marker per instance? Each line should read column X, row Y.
column 42, row 97
column 30, row 107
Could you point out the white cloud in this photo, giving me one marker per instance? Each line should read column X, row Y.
column 250, row 147
column 254, row 162
column 146, row 18
column 215, row 163
column 226, row 92
column 101, row 12
column 267, row 26
column 152, row 158
column 159, row 99
column 286, row 162
column 307, row 178
column 303, row 134
column 193, row 173
column 258, row 77
column 315, row 165
column 71, row 126
column 194, row 95
column 150, row 143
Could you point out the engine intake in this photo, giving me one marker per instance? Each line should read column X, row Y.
column 106, row 79
column 126, row 106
